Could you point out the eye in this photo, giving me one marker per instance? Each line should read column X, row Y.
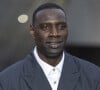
column 61, row 26
column 44, row 27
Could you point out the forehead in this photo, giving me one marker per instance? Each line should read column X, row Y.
column 50, row 15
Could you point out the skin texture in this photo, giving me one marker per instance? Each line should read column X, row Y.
column 50, row 34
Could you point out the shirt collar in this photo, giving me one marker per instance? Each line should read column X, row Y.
column 45, row 66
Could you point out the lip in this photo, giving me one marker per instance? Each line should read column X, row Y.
column 54, row 44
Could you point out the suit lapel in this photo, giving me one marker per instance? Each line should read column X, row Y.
column 70, row 74
column 34, row 76
column 35, row 79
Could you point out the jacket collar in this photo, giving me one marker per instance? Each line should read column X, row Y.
column 34, row 76
column 70, row 74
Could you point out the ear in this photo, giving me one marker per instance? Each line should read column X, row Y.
column 31, row 29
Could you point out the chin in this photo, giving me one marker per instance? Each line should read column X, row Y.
column 54, row 53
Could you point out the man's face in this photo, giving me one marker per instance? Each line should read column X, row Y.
column 50, row 32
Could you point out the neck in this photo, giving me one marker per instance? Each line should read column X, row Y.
column 50, row 60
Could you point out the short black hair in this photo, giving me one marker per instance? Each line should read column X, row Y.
column 45, row 6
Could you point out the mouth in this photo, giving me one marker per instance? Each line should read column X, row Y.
column 55, row 44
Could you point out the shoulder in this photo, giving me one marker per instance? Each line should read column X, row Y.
column 89, row 73
column 16, row 69
column 13, row 76
column 85, row 67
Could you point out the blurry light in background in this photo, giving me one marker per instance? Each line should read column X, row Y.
column 23, row 18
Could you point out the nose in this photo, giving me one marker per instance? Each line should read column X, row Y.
column 53, row 31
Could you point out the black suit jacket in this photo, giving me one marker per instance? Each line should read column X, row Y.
column 77, row 74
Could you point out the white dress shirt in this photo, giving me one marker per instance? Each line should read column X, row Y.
column 52, row 73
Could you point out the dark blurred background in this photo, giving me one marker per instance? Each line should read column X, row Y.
column 83, row 17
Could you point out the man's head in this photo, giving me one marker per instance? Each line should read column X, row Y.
column 50, row 30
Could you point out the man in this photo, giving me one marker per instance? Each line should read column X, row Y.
column 49, row 67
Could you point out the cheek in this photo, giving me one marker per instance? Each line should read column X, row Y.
column 40, row 37
column 65, row 34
